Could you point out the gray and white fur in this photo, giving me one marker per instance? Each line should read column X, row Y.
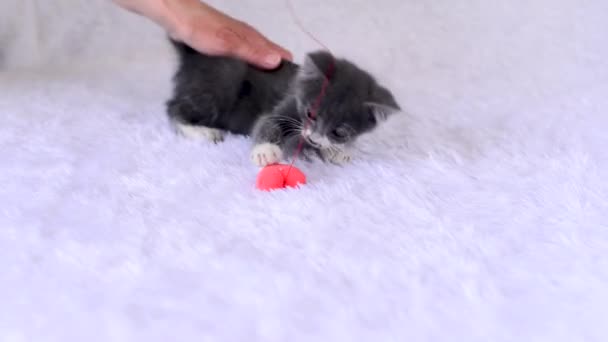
column 213, row 95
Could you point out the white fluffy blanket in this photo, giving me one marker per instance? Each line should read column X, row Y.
column 478, row 214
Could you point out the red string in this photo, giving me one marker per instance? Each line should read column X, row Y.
column 317, row 104
column 301, row 26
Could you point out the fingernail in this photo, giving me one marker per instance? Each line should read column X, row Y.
column 272, row 59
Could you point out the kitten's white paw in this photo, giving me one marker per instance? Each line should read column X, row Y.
column 266, row 154
column 338, row 157
column 200, row 132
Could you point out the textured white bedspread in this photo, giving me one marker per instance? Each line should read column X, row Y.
column 478, row 214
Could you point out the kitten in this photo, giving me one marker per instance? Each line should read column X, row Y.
column 213, row 95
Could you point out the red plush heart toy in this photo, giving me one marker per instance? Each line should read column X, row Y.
column 278, row 176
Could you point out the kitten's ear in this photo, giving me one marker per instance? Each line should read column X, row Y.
column 383, row 104
column 315, row 65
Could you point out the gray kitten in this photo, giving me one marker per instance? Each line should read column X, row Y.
column 214, row 95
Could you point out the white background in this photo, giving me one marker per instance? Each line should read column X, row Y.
column 478, row 214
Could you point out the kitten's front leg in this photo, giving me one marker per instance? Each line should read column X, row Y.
column 266, row 154
column 335, row 155
column 267, row 136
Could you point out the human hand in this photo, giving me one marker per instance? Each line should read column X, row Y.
column 210, row 31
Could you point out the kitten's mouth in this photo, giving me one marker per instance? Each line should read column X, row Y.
column 310, row 142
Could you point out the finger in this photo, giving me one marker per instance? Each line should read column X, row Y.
column 254, row 48
column 285, row 54
column 228, row 41
column 242, row 42
column 265, row 43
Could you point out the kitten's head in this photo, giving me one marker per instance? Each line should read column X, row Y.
column 353, row 103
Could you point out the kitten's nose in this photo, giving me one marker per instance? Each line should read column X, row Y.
column 307, row 132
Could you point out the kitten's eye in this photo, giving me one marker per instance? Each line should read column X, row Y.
column 372, row 116
column 340, row 133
